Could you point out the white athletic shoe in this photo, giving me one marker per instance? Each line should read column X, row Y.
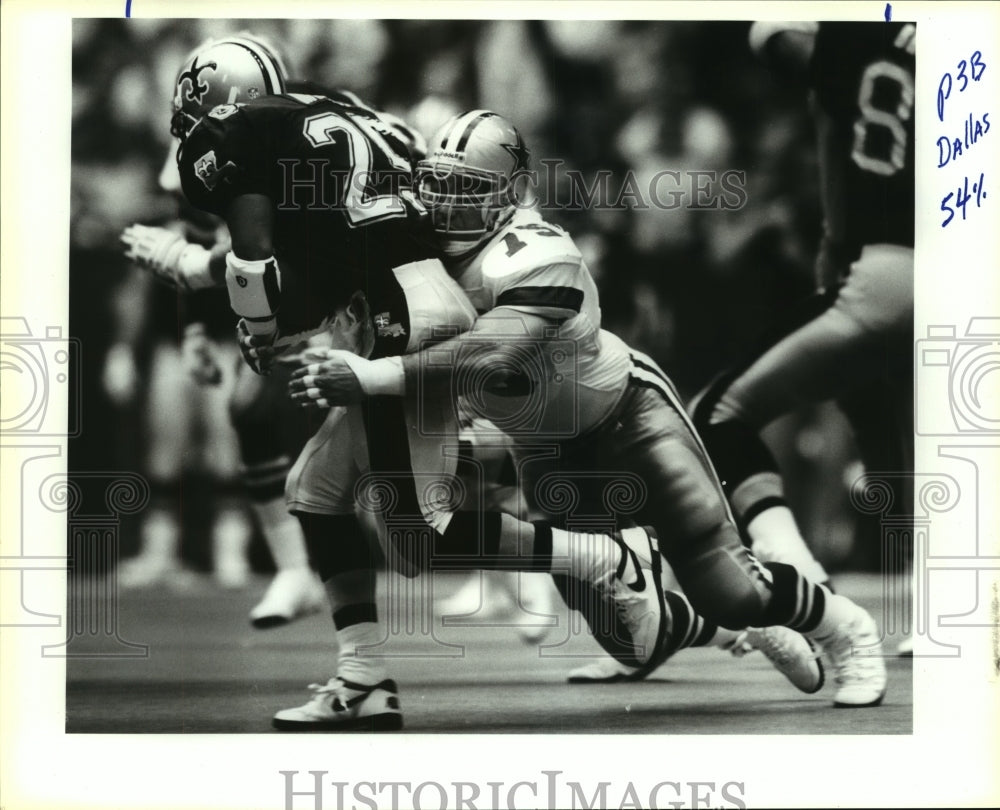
column 854, row 651
column 292, row 594
column 340, row 705
column 792, row 654
column 626, row 611
column 606, row 670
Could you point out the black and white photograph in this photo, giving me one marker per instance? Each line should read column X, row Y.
column 608, row 406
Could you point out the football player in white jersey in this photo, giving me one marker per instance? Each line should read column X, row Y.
column 585, row 410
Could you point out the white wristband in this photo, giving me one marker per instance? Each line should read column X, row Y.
column 382, row 377
column 254, row 292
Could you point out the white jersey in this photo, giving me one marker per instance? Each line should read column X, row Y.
column 534, row 267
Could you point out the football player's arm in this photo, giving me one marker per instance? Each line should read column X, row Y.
column 252, row 276
column 490, row 349
column 171, row 258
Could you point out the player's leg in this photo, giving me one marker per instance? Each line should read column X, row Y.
column 231, row 529
column 168, row 418
column 723, row 581
column 320, row 492
column 745, row 464
column 260, row 410
column 828, row 354
column 790, row 653
column 481, row 468
column 414, row 472
column 591, row 477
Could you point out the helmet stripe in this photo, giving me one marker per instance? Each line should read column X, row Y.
column 464, row 140
column 273, row 55
column 274, row 82
column 457, row 127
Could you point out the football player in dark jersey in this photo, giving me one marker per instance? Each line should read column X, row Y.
column 328, row 238
column 852, row 342
column 256, row 404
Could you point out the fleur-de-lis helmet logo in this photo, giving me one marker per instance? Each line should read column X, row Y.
column 198, row 88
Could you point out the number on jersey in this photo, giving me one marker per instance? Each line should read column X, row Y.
column 895, row 78
column 363, row 204
column 514, row 244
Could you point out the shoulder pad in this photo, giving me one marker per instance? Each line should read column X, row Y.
column 526, row 244
column 213, row 159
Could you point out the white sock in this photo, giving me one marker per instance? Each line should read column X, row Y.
column 583, row 555
column 357, row 665
column 282, row 533
column 231, row 536
column 161, row 537
column 838, row 610
column 776, row 538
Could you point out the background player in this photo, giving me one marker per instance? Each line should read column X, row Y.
column 852, row 342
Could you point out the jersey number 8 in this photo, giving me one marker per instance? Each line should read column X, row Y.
column 872, row 116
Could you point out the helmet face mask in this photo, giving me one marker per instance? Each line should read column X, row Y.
column 469, row 180
column 224, row 71
column 465, row 206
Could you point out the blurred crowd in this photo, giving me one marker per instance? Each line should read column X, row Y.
column 690, row 287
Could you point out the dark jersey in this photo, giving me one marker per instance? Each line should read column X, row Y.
column 863, row 78
column 339, row 178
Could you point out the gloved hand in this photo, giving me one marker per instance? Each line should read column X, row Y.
column 169, row 255
column 258, row 350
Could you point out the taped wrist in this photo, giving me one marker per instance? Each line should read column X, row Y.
column 382, row 377
column 254, row 291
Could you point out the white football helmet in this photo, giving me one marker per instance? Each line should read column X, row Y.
column 469, row 179
column 224, row 71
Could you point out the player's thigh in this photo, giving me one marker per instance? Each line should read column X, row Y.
column 682, row 496
column 415, row 448
column 325, row 475
column 685, row 504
